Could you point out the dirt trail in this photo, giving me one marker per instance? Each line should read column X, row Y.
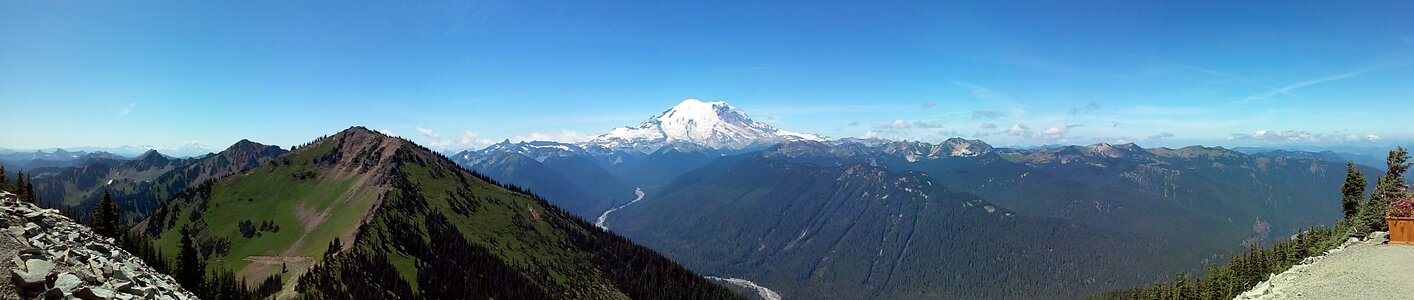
column 1367, row 269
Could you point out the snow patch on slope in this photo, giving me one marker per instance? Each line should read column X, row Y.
column 713, row 124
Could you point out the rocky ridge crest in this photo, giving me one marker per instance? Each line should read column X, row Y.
column 54, row 257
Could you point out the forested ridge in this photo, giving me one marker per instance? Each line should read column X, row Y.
column 417, row 226
column 1247, row 269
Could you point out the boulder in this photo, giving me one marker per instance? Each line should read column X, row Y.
column 118, row 284
column 94, row 294
column 32, row 229
column 26, row 280
column 141, row 291
column 33, row 216
column 54, row 293
column 33, row 250
column 124, row 273
column 68, row 282
column 99, row 248
column 39, row 266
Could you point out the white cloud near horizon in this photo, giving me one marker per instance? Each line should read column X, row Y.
column 563, row 136
column 1088, row 108
column 1298, row 136
column 427, row 132
column 1161, row 135
column 982, row 92
column 895, row 124
column 466, row 141
column 987, row 114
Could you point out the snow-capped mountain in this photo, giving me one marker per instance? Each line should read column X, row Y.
column 716, row 125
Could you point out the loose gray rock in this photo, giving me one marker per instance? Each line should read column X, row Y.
column 94, row 294
column 90, row 266
column 54, row 293
column 38, row 266
column 68, row 282
column 25, row 280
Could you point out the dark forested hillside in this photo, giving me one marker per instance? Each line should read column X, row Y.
column 859, row 232
column 1202, row 203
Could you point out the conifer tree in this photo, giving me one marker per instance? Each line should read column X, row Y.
column 1391, row 187
column 3, row 181
column 1181, row 287
column 20, row 186
column 106, row 219
column 190, row 268
column 29, row 191
column 1354, row 190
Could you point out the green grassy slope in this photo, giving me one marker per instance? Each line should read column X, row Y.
column 410, row 224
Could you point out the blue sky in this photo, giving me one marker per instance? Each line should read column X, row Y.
column 457, row 75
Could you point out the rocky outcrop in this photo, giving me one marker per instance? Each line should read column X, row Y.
column 53, row 257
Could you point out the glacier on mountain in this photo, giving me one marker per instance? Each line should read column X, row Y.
column 716, row 125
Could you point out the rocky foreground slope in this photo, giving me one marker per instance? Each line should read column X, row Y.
column 1360, row 269
column 53, row 257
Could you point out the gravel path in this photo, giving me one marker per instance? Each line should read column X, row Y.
column 1367, row 269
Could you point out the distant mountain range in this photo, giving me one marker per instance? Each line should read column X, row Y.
column 186, row 150
column 18, row 161
column 143, row 182
column 782, row 212
column 1370, row 157
column 791, row 211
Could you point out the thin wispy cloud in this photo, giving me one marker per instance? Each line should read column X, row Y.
column 751, row 69
column 895, row 124
column 987, row 114
column 801, row 110
column 1288, row 89
column 494, row 97
column 1161, row 135
column 470, row 10
column 125, row 110
column 929, row 125
column 1088, row 108
column 1268, row 87
column 1226, row 75
column 1155, row 110
column 982, row 92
